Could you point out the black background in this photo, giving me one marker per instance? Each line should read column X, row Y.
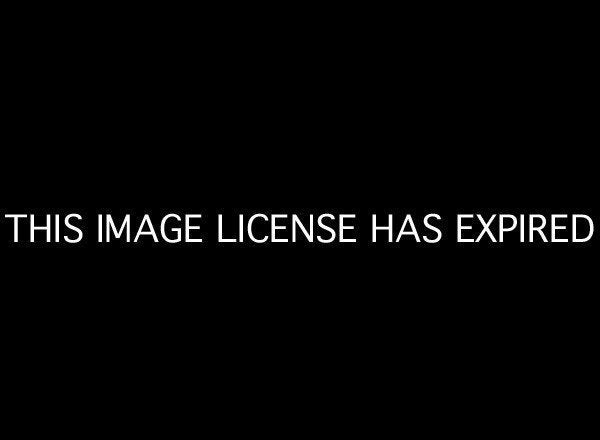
column 386, row 112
